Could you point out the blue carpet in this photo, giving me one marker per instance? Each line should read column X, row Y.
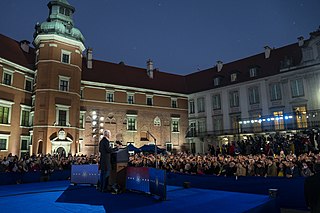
column 60, row 196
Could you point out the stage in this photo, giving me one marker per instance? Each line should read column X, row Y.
column 60, row 196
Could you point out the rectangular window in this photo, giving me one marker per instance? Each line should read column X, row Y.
column 169, row 147
column 216, row 102
column 253, row 72
column 192, row 129
column 297, row 88
column 28, row 85
column 7, row 78
column 149, row 101
column 278, row 120
column 62, row 118
column 25, row 116
column 201, row 107
column 110, row 97
column 64, row 85
column 234, row 99
column 191, row 107
column 174, row 103
column 202, row 126
column 66, row 58
column 301, row 116
column 216, row 82
column 81, row 121
column 130, row 99
column 24, row 144
column 4, row 115
column 254, row 95
column 217, row 124
column 275, row 92
column 131, row 124
column 233, row 77
column 3, row 143
column 175, row 126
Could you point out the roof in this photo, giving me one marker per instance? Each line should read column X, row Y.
column 124, row 75
column 203, row 80
column 11, row 51
column 121, row 74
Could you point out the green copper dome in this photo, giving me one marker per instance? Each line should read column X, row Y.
column 60, row 21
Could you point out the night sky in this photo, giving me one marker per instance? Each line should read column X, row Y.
column 180, row 36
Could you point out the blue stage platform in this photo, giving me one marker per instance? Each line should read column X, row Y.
column 60, row 196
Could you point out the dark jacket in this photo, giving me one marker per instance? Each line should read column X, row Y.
column 312, row 193
column 105, row 154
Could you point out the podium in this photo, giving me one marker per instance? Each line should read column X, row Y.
column 119, row 163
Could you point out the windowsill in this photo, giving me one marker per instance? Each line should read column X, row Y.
column 5, row 125
column 132, row 131
column 175, row 132
column 4, row 150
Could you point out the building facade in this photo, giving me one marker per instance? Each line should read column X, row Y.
column 55, row 98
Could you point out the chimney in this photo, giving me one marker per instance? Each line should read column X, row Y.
column 219, row 65
column 267, row 51
column 24, row 45
column 89, row 58
column 150, row 68
column 300, row 41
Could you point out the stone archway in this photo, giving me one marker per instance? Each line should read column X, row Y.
column 61, row 152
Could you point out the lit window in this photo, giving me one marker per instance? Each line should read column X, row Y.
column 131, row 123
column 5, row 111
column 25, row 117
column 157, row 121
column 175, row 125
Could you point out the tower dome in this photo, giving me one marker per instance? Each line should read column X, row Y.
column 60, row 21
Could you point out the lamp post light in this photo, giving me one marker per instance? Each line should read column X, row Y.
column 97, row 129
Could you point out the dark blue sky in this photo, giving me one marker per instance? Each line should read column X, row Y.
column 180, row 36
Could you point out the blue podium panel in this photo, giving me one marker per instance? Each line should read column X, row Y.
column 138, row 179
column 85, row 174
column 158, row 185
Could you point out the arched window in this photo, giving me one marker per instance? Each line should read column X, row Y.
column 157, row 121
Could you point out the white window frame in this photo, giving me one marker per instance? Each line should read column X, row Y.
column 191, row 107
column 25, row 83
column 6, row 137
column 216, row 81
column 174, row 100
column 173, row 120
column 8, row 72
column 216, row 102
column 24, row 138
column 234, row 102
column 233, row 77
column 128, row 95
column 83, row 113
column 65, row 52
column 151, row 97
column 170, row 144
column 273, row 90
column 202, row 126
column 64, row 78
column 295, row 85
column 110, row 93
column 31, row 119
column 65, row 108
column 135, row 122
column 25, row 108
column 253, row 72
column 8, row 104
column 254, row 95
column 157, row 121
column 201, row 104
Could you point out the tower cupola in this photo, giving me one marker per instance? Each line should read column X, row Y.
column 59, row 22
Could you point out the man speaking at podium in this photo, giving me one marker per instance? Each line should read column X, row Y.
column 105, row 160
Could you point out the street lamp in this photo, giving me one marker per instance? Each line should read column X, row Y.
column 97, row 125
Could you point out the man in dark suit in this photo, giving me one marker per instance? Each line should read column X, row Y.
column 105, row 160
column 312, row 190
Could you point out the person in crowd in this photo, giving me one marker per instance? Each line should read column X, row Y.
column 272, row 170
column 292, row 170
column 311, row 189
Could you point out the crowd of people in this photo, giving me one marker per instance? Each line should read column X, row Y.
column 258, row 156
